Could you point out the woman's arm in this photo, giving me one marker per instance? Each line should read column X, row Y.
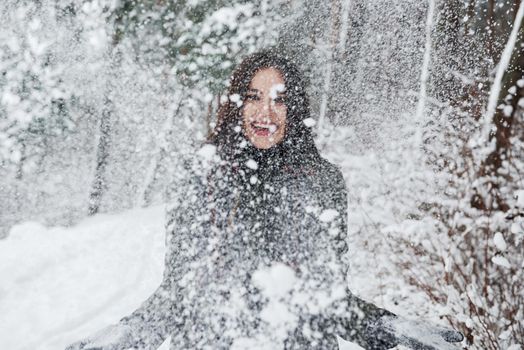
column 364, row 323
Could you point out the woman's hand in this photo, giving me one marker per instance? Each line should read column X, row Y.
column 418, row 335
column 114, row 337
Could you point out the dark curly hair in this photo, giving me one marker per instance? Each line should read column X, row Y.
column 298, row 142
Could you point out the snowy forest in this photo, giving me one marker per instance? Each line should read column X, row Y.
column 420, row 103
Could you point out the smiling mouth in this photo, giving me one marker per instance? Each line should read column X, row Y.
column 263, row 129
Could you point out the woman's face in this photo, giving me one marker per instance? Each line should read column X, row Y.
column 264, row 109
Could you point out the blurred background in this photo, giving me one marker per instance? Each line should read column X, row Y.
column 420, row 103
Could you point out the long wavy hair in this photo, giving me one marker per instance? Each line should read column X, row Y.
column 298, row 144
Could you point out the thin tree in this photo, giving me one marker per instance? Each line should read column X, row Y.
column 160, row 153
column 99, row 185
column 424, row 72
column 330, row 46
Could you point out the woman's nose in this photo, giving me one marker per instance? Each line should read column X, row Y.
column 268, row 105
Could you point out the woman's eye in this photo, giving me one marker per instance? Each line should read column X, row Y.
column 280, row 99
column 251, row 97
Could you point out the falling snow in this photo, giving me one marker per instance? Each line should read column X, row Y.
column 111, row 188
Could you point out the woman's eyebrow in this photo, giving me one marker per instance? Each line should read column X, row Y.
column 252, row 90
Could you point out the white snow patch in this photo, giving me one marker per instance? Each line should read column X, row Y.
column 309, row 122
column 328, row 215
column 207, row 152
column 275, row 89
column 517, row 228
column 60, row 285
column 520, row 198
column 236, row 99
column 346, row 345
column 501, row 261
column 507, row 110
column 276, row 284
column 275, row 281
column 251, row 164
column 499, row 241
column 277, row 314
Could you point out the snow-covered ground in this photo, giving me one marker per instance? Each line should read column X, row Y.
column 59, row 285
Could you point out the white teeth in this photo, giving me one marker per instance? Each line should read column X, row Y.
column 271, row 127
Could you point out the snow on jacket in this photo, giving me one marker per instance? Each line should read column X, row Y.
column 226, row 227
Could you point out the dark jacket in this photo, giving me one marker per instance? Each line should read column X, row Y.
column 225, row 223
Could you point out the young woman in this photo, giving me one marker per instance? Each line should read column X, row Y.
column 260, row 195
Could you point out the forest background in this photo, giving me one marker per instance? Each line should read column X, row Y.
column 421, row 104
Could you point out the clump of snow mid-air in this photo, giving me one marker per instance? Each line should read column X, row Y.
column 309, row 122
column 275, row 281
column 275, row 90
column 252, row 164
column 328, row 215
column 501, row 261
column 499, row 241
column 236, row 99
column 207, row 151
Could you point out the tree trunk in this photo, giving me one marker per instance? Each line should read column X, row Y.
column 490, row 18
column 99, row 185
column 503, row 118
column 330, row 48
column 424, row 72
column 102, row 155
column 450, row 44
column 145, row 195
column 20, row 166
